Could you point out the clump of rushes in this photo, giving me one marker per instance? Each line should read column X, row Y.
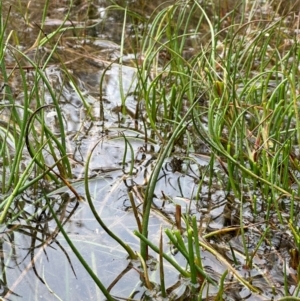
column 249, row 119
column 23, row 129
column 252, row 112
column 253, row 119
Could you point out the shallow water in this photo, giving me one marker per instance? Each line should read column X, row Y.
column 37, row 262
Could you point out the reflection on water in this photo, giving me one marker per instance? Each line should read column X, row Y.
column 39, row 261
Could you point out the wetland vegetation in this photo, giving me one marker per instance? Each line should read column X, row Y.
column 149, row 151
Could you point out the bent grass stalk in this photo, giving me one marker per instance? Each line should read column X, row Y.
column 229, row 266
column 13, row 178
column 149, row 194
column 219, row 148
column 127, row 143
column 78, row 255
column 161, row 266
column 146, row 241
column 125, row 246
column 63, row 147
column 145, row 274
column 9, row 200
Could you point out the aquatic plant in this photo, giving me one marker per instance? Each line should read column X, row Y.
column 202, row 82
